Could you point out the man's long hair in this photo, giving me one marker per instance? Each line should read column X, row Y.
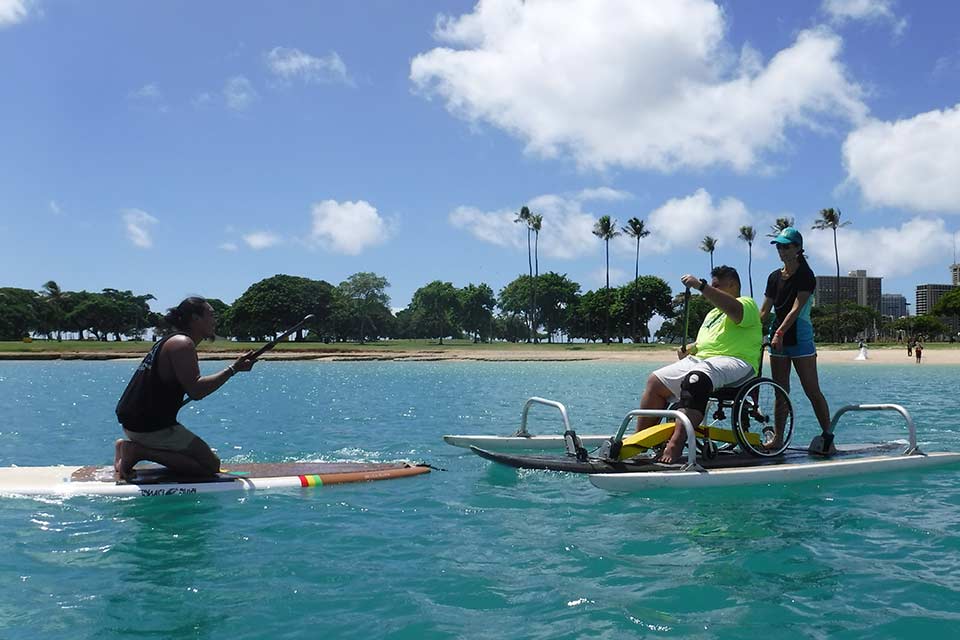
column 180, row 315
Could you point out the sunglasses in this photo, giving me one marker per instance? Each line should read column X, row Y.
column 784, row 246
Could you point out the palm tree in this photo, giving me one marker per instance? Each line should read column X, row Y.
column 55, row 299
column 535, row 223
column 748, row 234
column 709, row 244
column 606, row 229
column 636, row 229
column 779, row 225
column 830, row 219
column 524, row 217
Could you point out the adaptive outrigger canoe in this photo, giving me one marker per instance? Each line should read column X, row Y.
column 727, row 467
column 153, row 480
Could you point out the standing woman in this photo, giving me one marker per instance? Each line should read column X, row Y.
column 789, row 292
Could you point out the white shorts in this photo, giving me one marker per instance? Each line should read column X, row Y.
column 723, row 371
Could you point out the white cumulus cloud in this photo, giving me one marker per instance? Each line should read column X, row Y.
column 841, row 11
column 260, row 240
column 652, row 85
column 887, row 251
column 290, row 64
column 13, row 11
column 912, row 163
column 683, row 222
column 566, row 231
column 138, row 224
column 348, row 227
column 239, row 93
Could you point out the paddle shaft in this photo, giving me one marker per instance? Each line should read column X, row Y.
column 686, row 316
column 283, row 336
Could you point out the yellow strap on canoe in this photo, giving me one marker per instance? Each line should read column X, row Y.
column 650, row 437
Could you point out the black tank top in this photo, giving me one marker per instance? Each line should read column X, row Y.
column 148, row 403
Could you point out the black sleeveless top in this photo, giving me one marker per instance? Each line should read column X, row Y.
column 148, row 403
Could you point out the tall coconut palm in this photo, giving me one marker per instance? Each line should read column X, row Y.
column 55, row 299
column 748, row 234
column 709, row 245
column 606, row 229
column 535, row 223
column 779, row 225
column 523, row 217
column 636, row 229
column 830, row 219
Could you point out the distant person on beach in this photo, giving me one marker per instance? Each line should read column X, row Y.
column 909, row 347
column 789, row 294
column 726, row 352
column 149, row 405
column 918, row 349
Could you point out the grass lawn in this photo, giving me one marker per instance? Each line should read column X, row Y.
column 88, row 346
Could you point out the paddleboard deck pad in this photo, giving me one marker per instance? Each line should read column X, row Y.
column 723, row 460
column 153, row 480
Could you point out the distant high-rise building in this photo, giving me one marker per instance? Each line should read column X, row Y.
column 955, row 274
column 893, row 305
column 856, row 287
column 927, row 297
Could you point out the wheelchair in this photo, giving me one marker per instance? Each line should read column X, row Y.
column 758, row 410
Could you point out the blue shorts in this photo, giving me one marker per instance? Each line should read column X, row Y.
column 802, row 349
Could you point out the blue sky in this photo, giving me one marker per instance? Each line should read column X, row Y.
column 184, row 148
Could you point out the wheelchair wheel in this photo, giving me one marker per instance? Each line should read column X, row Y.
column 761, row 411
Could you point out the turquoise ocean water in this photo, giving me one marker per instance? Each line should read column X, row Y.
column 476, row 551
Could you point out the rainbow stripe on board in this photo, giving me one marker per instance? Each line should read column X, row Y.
column 312, row 480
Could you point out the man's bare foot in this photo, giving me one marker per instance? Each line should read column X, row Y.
column 671, row 453
column 773, row 445
column 123, row 470
column 117, row 454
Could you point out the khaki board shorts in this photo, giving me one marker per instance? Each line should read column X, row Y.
column 723, row 371
column 173, row 438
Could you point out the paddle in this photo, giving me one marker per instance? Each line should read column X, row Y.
column 686, row 318
column 270, row 345
column 283, row 336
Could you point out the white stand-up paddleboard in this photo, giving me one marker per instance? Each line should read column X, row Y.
column 154, row 480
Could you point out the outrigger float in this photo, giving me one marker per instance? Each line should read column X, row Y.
column 727, row 457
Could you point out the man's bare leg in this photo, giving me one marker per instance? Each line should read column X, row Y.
column 196, row 460
column 671, row 453
column 655, row 396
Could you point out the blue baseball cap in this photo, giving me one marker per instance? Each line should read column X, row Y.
column 788, row 235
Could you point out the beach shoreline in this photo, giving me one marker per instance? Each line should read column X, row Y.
column 454, row 354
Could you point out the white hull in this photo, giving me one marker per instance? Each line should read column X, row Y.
column 516, row 443
column 772, row 474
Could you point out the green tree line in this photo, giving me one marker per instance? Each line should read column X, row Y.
column 357, row 310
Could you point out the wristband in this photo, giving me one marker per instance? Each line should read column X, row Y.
column 232, row 370
column 703, row 284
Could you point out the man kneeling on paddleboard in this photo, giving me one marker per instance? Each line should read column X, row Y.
column 726, row 352
column 149, row 405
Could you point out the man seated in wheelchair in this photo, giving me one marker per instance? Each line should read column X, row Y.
column 726, row 353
